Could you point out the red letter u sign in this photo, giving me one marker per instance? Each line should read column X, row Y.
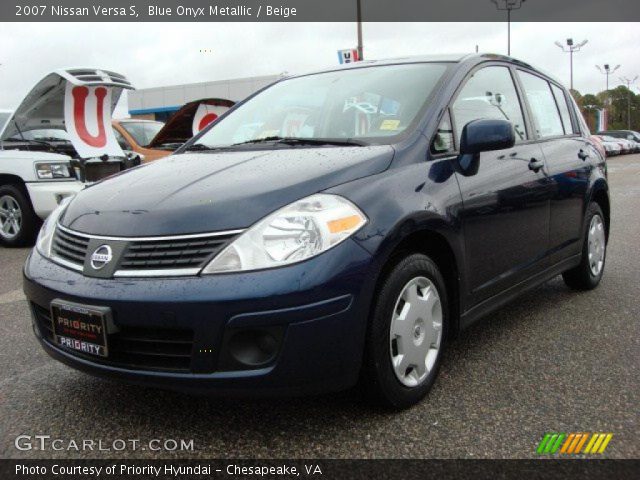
column 80, row 95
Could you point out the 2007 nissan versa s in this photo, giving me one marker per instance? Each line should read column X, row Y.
column 334, row 227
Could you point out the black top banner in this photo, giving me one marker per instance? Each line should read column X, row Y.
column 319, row 10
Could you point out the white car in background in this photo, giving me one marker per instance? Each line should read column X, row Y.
column 40, row 163
column 625, row 145
column 611, row 146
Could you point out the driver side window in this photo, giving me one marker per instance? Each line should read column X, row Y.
column 489, row 94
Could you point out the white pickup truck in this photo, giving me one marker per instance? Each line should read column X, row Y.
column 57, row 141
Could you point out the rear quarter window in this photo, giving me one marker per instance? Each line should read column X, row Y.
column 561, row 100
column 546, row 116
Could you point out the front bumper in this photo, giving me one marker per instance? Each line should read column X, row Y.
column 320, row 306
column 45, row 196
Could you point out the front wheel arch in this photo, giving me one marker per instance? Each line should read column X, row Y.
column 437, row 247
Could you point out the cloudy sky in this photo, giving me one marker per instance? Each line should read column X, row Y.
column 157, row 54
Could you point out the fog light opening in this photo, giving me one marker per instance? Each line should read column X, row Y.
column 253, row 347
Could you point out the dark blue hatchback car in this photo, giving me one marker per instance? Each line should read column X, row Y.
column 334, row 227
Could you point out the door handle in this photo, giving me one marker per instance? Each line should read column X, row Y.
column 582, row 155
column 535, row 164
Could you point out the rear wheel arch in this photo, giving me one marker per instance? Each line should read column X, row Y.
column 600, row 196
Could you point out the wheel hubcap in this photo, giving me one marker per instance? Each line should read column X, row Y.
column 416, row 331
column 10, row 217
column 597, row 245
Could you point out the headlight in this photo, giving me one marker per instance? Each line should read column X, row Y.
column 292, row 234
column 53, row 170
column 45, row 237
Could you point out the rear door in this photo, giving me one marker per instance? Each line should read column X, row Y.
column 506, row 203
column 566, row 154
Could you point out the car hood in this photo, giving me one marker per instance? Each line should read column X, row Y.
column 207, row 192
column 22, row 155
column 180, row 126
column 43, row 107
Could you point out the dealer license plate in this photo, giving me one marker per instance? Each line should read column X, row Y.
column 79, row 327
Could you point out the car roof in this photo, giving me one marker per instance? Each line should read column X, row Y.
column 470, row 59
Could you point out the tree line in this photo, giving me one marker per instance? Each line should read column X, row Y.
column 617, row 101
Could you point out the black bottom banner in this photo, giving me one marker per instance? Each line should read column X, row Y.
column 347, row 469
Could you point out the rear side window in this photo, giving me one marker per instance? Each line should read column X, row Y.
column 561, row 100
column 489, row 94
column 545, row 112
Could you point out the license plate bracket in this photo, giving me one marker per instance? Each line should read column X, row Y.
column 82, row 328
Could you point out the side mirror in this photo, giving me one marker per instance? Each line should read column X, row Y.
column 485, row 136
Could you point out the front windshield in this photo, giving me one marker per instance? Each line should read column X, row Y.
column 142, row 132
column 368, row 104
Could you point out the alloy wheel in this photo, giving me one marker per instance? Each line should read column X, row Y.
column 10, row 217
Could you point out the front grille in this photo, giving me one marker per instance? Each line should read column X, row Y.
column 188, row 253
column 70, row 247
column 153, row 256
column 134, row 348
column 94, row 171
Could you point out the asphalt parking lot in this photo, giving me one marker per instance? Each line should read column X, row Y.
column 554, row 360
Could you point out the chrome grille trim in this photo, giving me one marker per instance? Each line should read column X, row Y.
column 66, row 263
column 152, row 239
column 167, row 272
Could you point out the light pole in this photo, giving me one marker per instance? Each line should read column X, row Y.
column 629, row 82
column 571, row 47
column 607, row 70
column 359, row 17
column 508, row 5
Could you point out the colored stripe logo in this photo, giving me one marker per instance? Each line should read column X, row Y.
column 573, row 443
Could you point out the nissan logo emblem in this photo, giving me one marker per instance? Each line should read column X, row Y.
column 101, row 256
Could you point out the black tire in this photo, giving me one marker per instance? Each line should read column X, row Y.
column 582, row 277
column 379, row 381
column 31, row 223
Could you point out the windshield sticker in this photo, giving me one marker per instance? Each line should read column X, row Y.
column 390, row 125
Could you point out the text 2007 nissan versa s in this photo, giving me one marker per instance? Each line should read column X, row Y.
column 334, row 227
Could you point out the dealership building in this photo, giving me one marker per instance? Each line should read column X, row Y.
column 160, row 103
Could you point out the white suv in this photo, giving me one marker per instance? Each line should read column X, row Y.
column 43, row 158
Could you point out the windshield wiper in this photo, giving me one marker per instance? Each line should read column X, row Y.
column 304, row 141
column 198, row 147
column 53, row 139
